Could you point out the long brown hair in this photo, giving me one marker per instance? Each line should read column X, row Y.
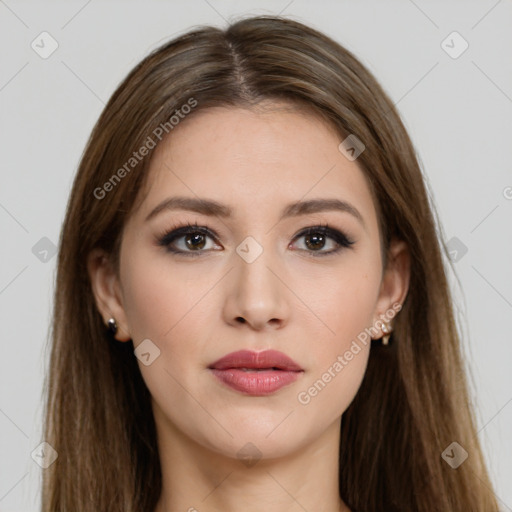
column 413, row 402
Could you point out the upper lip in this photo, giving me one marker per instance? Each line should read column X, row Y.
column 249, row 359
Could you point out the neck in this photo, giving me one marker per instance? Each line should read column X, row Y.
column 197, row 479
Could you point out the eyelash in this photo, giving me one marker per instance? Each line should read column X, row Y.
column 168, row 237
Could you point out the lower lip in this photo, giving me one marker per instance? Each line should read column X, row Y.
column 256, row 383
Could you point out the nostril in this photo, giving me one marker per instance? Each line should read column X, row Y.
column 241, row 320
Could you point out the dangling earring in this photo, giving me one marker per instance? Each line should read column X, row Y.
column 387, row 333
column 112, row 326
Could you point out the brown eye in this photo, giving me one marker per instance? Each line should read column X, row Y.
column 192, row 240
column 195, row 241
column 188, row 240
column 315, row 242
column 316, row 238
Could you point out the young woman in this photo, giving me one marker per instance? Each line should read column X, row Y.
column 251, row 307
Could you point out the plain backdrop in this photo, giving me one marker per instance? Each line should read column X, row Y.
column 457, row 106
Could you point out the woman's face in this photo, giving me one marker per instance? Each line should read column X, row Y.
column 252, row 280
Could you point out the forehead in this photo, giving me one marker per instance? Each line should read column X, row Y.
column 255, row 160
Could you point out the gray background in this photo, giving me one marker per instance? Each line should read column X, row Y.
column 457, row 110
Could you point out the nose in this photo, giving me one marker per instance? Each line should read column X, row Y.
column 256, row 295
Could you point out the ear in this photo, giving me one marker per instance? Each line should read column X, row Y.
column 107, row 291
column 395, row 279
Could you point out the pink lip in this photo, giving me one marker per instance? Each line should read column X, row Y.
column 271, row 370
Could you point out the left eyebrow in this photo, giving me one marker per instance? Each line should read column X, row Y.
column 213, row 208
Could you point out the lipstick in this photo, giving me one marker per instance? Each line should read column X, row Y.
column 256, row 373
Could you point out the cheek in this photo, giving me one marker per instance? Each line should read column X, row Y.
column 345, row 298
column 340, row 360
column 158, row 297
column 347, row 307
column 327, row 395
column 353, row 305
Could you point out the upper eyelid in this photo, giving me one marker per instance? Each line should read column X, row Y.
column 207, row 230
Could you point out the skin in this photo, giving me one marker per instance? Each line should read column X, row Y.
column 311, row 308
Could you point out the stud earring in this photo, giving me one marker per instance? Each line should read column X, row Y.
column 112, row 325
column 387, row 333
